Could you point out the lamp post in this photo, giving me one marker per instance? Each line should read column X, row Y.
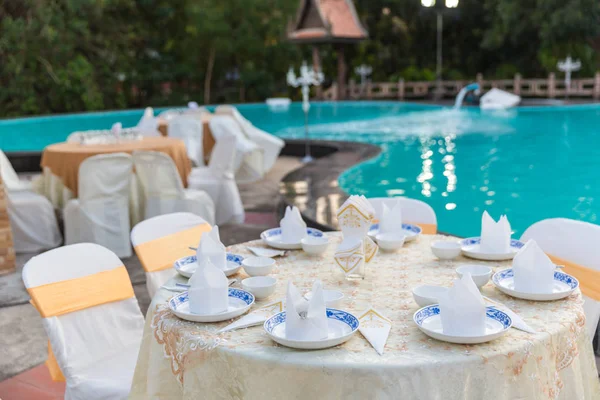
column 308, row 77
column 363, row 71
column 439, row 6
column 567, row 65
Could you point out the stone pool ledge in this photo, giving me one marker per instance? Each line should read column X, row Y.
column 314, row 188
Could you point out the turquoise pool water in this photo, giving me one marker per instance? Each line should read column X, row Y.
column 530, row 163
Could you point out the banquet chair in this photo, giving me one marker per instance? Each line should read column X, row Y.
column 156, row 242
column 9, row 175
column 148, row 124
column 163, row 191
column 91, row 316
column 270, row 144
column 248, row 164
column 573, row 244
column 218, row 181
column 413, row 212
column 101, row 213
column 189, row 129
column 32, row 221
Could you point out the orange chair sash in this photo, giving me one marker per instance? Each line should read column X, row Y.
column 161, row 253
column 589, row 279
column 52, row 365
column 77, row 294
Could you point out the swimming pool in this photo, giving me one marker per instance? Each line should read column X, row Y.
column 530, row 163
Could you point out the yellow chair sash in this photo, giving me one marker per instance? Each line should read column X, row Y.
column 426, row 229
column 589, row 279
column 77, row 294
column 161, row 253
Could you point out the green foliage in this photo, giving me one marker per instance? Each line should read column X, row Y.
column 78, row 55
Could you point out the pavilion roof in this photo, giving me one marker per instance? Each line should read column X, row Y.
column 327, row 21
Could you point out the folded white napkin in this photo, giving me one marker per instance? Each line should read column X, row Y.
column 256, row 317
column 148, row 124
column 462, row 309
column 391, row 219
column 116, row 129
column 211, row 248
column 209, row 289
column 305, row 320
column 293, row 228
column 375, row 328
column 495, row 236
column 533, row 270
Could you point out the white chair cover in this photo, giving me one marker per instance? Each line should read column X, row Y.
column 148, row 124
column 158, row 227
column 413, row 211
column 190, row 130
column 270, row 144
column 32, row 221
column 163, row 190
column 248, row 164
column 218, row 181
column 176, row 112
column 101, row 213
column 9, row 175
column 95, row 348
column 576, row 242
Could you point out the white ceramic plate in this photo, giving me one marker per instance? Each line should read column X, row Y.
column 272, row 237
column 430, row 323
column 186, row 266
column 470, row 247
column 342, row 325
column 239, row 302
column 564, row 285
column 410, row 231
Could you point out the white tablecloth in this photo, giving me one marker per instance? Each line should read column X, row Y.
column 183, row 360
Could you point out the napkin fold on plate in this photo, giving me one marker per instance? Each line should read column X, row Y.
column 209, row 289
column 375, row 328
column 256, row 317
column 391, row 219
column 462, row 309
column 211, row 248
column 532, row 269
column 304, row 319
column 116, row 129
column 354, row 218
column 293, row 228
column 495, row 236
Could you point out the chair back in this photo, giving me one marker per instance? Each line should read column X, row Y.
column 8, row 173
column 189, row 129
column 102, row 317
column 223, row 125
column 157, row 174
column 574, row 242
column 413, row 211
column 222, row 158
column 156, row 228
column 105, row 177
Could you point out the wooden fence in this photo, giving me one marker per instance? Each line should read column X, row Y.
column 548, row 88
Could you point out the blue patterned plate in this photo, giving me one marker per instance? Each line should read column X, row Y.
column 564, row 285
column 342, row 325
column 430, row 323
column 272, row 237
column 186, row 266
column 410, row 231
column 471, row 248
column 239, row 302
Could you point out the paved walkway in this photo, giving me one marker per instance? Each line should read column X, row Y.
column 22, row 336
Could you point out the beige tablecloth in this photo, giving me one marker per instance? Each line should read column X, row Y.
column 183, row 360
column 63, row 159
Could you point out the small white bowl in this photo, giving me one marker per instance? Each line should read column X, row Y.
column 333, row 298
column 445, row 250
column 258, row 266
column 480, row 273
column 426, row 295
column 260, row 286
column 315, row 245
column 390, row 241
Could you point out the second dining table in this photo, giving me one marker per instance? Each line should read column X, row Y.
column 186, row 360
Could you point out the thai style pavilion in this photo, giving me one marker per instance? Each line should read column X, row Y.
column 328, row 21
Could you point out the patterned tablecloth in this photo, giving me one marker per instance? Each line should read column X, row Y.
column 184, row 360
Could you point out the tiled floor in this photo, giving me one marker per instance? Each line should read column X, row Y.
column 34, row 384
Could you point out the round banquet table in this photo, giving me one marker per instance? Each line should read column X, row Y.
column 185, row 360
